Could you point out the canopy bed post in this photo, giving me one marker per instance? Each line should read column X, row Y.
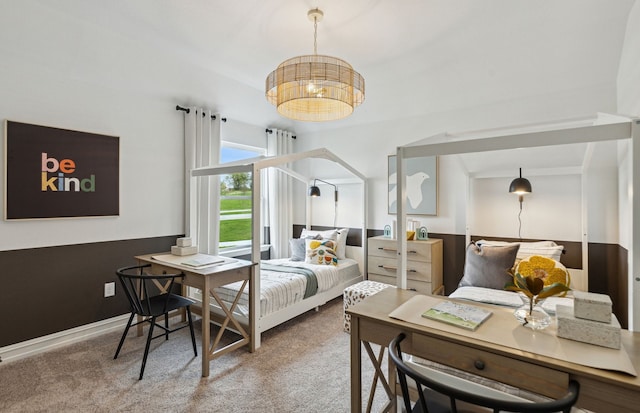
column 401, row 229
column 256, row 236
column 467, row 225
column 584, row 202
column 634, row 256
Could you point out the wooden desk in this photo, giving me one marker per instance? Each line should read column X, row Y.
column 206, row 280
column 600, row 390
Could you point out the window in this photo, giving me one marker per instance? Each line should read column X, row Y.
column 235, row 198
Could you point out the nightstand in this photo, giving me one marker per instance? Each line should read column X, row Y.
column 424, row 263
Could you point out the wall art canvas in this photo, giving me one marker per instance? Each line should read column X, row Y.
column 59, row 173
column 422, row 185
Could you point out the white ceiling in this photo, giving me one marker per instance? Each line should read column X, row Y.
column 417, row 56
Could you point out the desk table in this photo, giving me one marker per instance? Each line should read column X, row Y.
column 600, row 390
column 206, row 280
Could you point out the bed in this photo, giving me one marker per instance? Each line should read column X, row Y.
column 285, row 283
column 283, row 291
column 586, row 133
column 490, row 264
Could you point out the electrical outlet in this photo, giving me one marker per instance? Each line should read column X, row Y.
column 109, row 289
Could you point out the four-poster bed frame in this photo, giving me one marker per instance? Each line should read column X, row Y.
column 254, row 166
column 601, row 128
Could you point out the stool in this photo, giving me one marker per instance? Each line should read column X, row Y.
column 357, row 292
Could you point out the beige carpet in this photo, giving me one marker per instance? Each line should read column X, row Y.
column 302, row 366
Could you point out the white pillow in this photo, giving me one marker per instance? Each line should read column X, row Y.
column 547, row 249
column 340, row 235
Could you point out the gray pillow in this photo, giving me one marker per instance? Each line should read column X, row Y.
column 298, row 247
column 488, row 266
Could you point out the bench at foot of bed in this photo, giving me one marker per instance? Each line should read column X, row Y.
column 358, row 292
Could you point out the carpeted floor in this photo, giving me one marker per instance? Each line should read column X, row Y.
column 302, row 366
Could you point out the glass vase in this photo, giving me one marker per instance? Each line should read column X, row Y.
column 531, row 314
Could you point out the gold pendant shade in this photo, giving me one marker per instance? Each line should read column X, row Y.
column 315, row 88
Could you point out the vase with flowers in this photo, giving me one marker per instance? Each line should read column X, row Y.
column 535, row 280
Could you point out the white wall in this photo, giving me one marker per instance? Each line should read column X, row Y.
column 367, row 147
column 57, row 71
column 551, row 211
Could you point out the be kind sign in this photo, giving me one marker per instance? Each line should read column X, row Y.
column 58, row 173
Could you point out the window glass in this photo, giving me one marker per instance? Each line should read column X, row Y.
column 235, row 199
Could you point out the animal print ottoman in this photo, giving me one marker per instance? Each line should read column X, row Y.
column 358, row 292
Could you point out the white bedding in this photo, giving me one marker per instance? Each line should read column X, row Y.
column 505, row 298
column 281, row 289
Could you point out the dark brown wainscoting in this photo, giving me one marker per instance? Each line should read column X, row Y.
column 608, row 274
column 354, row 237
column 52, row 289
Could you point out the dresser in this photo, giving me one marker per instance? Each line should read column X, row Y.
column 424, row 263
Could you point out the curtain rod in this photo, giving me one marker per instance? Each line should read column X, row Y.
column 178, row 107
column 271, row 131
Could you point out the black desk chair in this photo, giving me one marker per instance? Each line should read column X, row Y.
column 438, row 397
column 141, row 291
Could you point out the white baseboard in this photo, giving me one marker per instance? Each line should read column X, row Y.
column 61, row 338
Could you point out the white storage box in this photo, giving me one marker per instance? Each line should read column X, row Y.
column 587, row 331
column 176, row 250
column 183, row 242
column 592, row 306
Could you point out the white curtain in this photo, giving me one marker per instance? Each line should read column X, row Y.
column 202, row 200
column 280, row 142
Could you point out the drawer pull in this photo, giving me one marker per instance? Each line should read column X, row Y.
column 393, row 268
column 479, row 364
column 395, row 250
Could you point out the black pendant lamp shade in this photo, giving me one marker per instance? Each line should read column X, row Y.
column 520, row 185
column 314, row 191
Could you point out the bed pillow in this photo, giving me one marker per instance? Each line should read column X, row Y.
column 339, row 235
column 298, row 247
column 489, row 266
column 547, row 249
column 328, row 234
column 321, row 252
column 341, row 248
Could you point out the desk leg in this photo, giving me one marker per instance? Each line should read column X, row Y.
column 356, row 373
column 206, row 327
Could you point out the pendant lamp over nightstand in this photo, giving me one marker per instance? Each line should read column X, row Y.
column 520, row 186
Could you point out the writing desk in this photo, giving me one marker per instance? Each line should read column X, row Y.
column 600, row 390
column 206, row 280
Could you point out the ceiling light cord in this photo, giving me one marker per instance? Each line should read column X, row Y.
column 315, row 35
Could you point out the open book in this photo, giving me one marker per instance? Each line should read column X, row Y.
column 457, row 314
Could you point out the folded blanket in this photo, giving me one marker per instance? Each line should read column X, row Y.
column 312, row 280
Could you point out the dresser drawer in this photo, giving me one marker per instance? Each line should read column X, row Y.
column 538, row 379
column 416, row 250
column 419, row 286
column 416, row 270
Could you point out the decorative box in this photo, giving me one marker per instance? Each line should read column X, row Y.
column 358, row 292
column 183, row 242
column 587, row 331
column 592, row 306
column 176, row 250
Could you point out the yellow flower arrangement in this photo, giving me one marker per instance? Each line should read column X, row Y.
column 538, row 278
column 547, row 269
